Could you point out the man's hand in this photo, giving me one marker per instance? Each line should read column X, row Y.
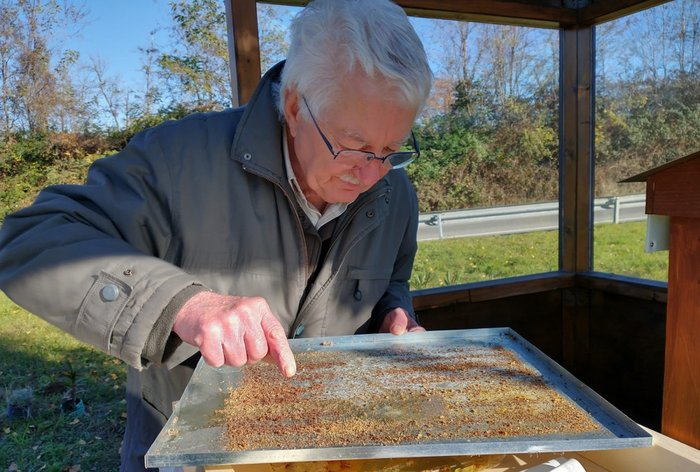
column 397, row 322
column 234, row 331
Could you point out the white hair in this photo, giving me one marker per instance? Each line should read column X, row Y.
column 330, row 38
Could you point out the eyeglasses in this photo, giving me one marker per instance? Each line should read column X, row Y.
column 393, row 160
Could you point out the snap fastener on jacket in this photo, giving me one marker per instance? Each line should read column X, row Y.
column 370, row 213
column 299, row 330
column 357, row 295
column 109, row 292
column 247, row 156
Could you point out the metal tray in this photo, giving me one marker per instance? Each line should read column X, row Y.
column 195, row 435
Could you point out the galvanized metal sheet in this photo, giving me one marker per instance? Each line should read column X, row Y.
column 439, row 393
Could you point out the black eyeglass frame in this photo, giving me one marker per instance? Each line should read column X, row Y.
column 399, row 155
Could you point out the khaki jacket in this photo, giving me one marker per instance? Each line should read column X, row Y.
column 204, row 201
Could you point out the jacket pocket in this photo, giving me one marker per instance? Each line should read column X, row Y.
column 357, row 294
column 100, row 310
column 369, row 282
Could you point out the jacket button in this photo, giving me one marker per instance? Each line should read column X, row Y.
column 370, row 213
column 109, row 292
column 247, row 156
column 357, row 295
column 299, row 330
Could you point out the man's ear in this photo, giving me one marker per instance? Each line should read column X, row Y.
column 291, row 110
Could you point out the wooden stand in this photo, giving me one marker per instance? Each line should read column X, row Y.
column 666, row 454
column 674, row 190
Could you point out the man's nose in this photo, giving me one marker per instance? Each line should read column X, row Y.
column 369, row 174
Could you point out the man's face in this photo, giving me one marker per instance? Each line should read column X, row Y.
column 361, row 120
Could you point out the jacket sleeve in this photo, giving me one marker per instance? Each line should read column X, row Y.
column 398, row 294
column 90, row 258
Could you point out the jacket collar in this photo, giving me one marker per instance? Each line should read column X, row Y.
column 257, row 143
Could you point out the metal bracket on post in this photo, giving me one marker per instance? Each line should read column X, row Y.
column 658, row 233
column 437, row 219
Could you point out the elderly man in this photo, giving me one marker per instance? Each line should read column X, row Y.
column 224, row 234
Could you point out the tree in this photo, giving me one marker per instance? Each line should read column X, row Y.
column 648, row 99
column 198, row 70
column 108, row 91
column 272, row 21
column 35, row 85
column 490, row 134
column 36, row 93
column 71, row 113
column 148, row 67
column 8, row 57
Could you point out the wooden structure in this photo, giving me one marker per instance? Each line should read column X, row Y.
column 674, row 190
column 607, row 330
column 666, row 454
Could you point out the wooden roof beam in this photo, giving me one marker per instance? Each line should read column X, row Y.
column 541, row 13
column 607, row 10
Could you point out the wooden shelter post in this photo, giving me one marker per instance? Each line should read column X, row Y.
column 576, row 189
column 244, row 48
column 576, row 120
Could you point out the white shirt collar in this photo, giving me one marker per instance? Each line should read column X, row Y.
column 332, row 210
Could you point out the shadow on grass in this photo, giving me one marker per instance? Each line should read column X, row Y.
column 54, row 368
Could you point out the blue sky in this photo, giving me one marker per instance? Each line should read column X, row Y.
column 115, row 29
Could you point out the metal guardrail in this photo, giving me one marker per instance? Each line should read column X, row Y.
column 522, row 218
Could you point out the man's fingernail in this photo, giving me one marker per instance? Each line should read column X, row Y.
column 290, row 367
column 290, row 370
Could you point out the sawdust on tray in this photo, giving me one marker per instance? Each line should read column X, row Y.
column 397, row 396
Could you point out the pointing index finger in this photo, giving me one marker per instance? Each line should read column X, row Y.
column 278, row 346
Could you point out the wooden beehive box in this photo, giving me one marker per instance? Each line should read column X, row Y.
column 673, row 189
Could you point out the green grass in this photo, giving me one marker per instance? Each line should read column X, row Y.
column 618, row 249
column 462, row 260
column 36, row 355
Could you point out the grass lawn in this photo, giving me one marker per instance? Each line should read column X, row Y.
column 618, row 249
column 462, row 260
column 37, row 356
